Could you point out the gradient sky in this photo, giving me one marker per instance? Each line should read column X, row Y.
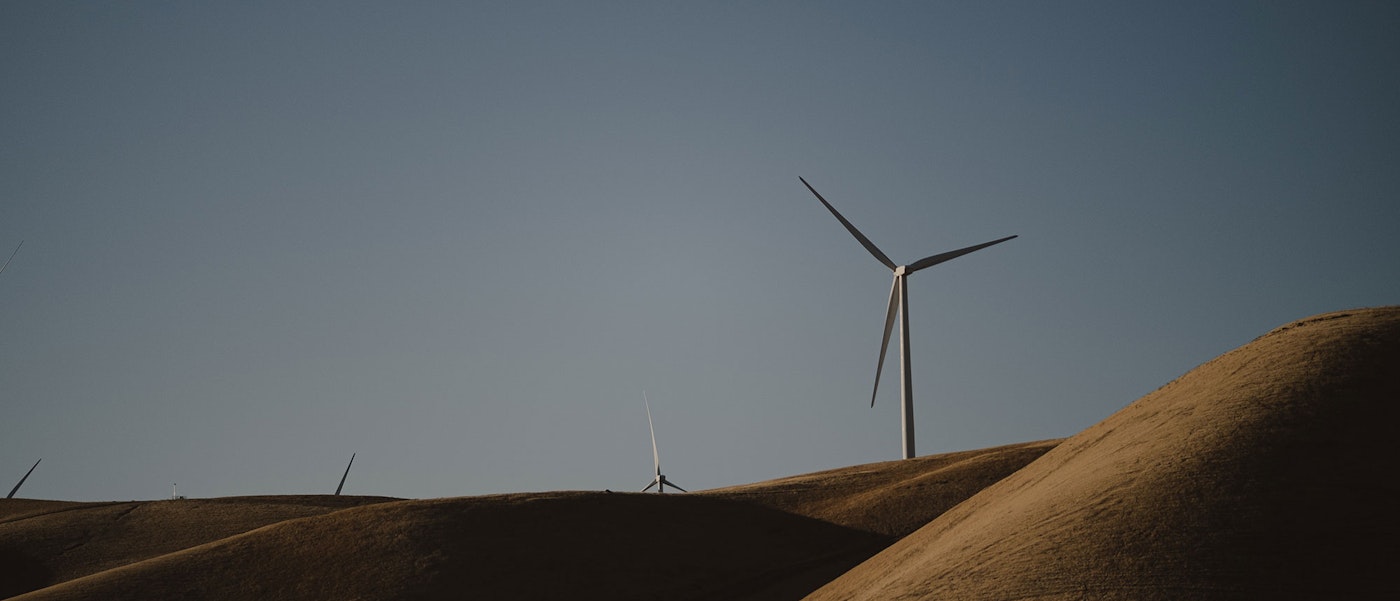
column 461, row 239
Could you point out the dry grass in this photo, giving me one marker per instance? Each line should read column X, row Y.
column 1258, row 474
column 772, row 540
column 533, row 546
column 892, row 498
column 46, row 542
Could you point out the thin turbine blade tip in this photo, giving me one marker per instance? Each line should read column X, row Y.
column 341, row 486
column 869, row 246
column 655, row 455
column 12, row 256
column 885, row 341
column 950, row 255
column 21, row 480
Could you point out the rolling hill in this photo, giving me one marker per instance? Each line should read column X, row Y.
column 1261, row 474
column 1258, row 474
column 770, row 540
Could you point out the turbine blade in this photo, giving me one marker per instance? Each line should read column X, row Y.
column 950, row 255
column 26, row 477
column 653, row 483
column 345, row 475
column 885, row 342
column 12, row 257
column 666, row 482
column 870, row 246
column 655, row 457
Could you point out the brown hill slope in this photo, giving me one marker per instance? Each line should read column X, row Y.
column 47, row 542
column 771, row 540
column 11, row 509
column 1261, row 474
column 529, row 546
column 892, row 498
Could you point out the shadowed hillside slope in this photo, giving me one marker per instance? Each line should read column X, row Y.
column 46, row 542
column 1264, row 473
column 1258, row 474
column 11, row 509
column 528, row 546
column 770, row 540
column 892, row 498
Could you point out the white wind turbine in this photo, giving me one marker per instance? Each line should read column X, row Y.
column 899, row 303
column 659, row 481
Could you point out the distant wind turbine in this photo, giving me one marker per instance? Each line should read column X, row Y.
column 659, row 481
column 21, row 480
column 12, row 257
column 899, row 303
column 345, row 475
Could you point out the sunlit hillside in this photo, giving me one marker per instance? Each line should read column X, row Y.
column 1259, row 474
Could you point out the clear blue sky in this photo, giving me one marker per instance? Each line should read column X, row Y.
column 461, row 239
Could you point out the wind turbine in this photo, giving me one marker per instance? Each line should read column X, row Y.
column 21, row 480
column 660, row 481
column 345, row 475
column 899, row 303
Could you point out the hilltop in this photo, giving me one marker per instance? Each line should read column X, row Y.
column 778, row 539
column 1259, row 474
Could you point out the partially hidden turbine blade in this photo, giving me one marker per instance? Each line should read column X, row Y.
column 653, row 483
column 870, row 246
column 26, row 474
column 673, row 485
column 345, row 475
column 885, row 342
column 12, row 257
column 950, row 255
column 655, row 457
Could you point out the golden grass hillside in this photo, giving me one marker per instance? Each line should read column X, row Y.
column 892, row 498
column 770, row 540
column 1261, row 474
column 47, row 542
column 528, row 546
column 1266, row 473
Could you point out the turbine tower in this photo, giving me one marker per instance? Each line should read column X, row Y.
column 345, row 475
column 21, row 480
column 899, row 303
column 659, row 481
